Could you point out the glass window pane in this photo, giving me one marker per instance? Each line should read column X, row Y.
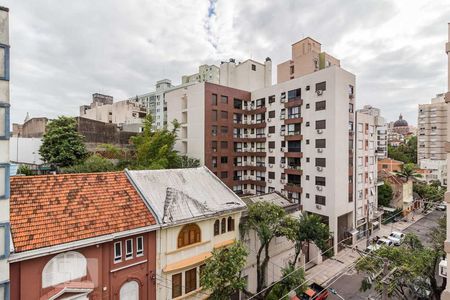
column 2, row 240
column 2, row 121
column 2, row 181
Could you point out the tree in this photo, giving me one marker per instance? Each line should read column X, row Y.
column 412, row 265
column 305, row 230
column 429, row 192
column 92, row 164
column 406, row 152
column 222, row 272
column 62, row 145
column 268, row 220
column 24, row 170
column 408, row 171
column 294, row 281
column 184, row 161
column 385, row 194
column 110, row 151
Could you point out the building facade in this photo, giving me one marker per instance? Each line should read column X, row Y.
column 206, row 73
column 31, row 127
column 286, row 138
column 381, row 130
column 194, row 221
column 86, row 236
column 4, row 155
column 248, row 75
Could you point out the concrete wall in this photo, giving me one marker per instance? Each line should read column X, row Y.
column 25, row 150
column 249, row 75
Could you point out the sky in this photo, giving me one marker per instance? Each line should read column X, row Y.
column 64, row 51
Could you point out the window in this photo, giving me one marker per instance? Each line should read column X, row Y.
column 214, row 161
column 272, row 114
column 224, row 144
column 117, row 251
column 214, row 115
column 224, row 99
column 230, row 224
column 308, row 87
column 320, row 180
column 176, row 285
column 272, row 145
column 139, row 246
column 4, row 178
column 320, row 143
column 320, row 162
column 271, row 129
column 321, row 86
column 4, row 290
column 292, row 94
column 271, row 99
column 307, row 105
column 4, row 120
column 214, row 130
column 216, row 227
column 253, row 67
column 189, row 234
column 214, row 99
column 190, row 280
column 4, row 56
column 128, row 249
column 272, row 160
column 224, row 174
column 224, row 159
column 224, row 115
column 321, row 124
column 64, row 267
column 307, row 196
column 223, row 225
column 224, row 130
column 350, row 107
column 307, row 177
column 271, row 175
column 321, row 200
column 129, row 291
column 321, row 105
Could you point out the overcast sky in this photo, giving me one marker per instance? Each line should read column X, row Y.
column 63, row 51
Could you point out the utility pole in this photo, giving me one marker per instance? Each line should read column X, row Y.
column 385, row 280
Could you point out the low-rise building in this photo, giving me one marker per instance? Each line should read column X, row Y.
column 81, row 236
column 402, row 190
column 390, row 165
column 197, row 213
column 437, row 170
column 31, row 127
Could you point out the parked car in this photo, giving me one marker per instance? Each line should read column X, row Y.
column 380, row 242
column 441, row 207
column 396, row 237
column 316, row 292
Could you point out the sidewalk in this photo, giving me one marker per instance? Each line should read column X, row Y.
column 331, row 267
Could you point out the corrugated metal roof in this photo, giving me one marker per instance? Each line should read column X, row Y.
column 274, row 198
column 177, row 195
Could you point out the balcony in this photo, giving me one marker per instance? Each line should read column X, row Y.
column 293, row 154
column 293, row 170
column 293, row 119
column 293, row 187
column 249, row 123
column 293, row 136
column 250, row 152
column 261, row 138
column 248, row 180
column 293, row 102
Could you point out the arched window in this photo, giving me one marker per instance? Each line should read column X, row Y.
column 129, row 291
column 224, row 225
column 216, row 227
column 189, row 234
column 230, row 224
column 64, row 267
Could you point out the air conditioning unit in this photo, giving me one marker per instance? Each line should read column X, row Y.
column 253, row 121
column 282, row 133
column 283, row 149
column 318, row 206
column 319, row 150
column 283, row 181
column 282, row 117
column 320, row 169
column 319, row 188
column 270, row 166
column 282, row 100
column 319, row 92
column 246, row 135
column 271, row 150
column 270, row 180
column 282, row 165
column 269, row 120
column 269, row 135
column 319, row 131
column 214, row 149
column 252, row 149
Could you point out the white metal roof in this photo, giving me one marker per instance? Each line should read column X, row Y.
column 177, row 195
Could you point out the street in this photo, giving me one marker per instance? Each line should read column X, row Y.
column 348, row 285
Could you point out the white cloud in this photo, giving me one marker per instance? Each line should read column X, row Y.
column 63, row 51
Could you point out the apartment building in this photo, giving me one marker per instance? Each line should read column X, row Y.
column 4, row 155
column 381, row 130
column 307, row 57
column 206, row 73
column 286, row 137
column 248, row 75
column 127, row 113
column 367, row 217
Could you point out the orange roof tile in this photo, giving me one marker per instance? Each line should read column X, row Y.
column 55, row 209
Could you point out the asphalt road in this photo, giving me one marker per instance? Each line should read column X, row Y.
column 348, row 285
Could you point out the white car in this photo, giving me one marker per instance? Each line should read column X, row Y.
column 441, row 207
column 396, row 237
column 381, row 242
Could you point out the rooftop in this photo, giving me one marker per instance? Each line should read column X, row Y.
column 56, row 209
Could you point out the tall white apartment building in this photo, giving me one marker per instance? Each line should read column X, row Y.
column 381, row 130
column 295, row 137
column 367, row 217
column 249, row 75
column 4, row 153
column 206, row 73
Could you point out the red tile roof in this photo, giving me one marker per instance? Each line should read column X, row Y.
column 55, row 209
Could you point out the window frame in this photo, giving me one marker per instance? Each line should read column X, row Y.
column 139, row 252
column 196, row 239
column 128, row 255
column 5, row 75
column 192, row 273
column 6, row 106
column 7, row 228
column 216, row 227
column 118, row 259
column 179, row 287
column 7, row 167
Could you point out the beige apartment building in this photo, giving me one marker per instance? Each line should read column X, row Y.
column 206, row 73
column 295, row 137
column 307, row 57
column 248, row 75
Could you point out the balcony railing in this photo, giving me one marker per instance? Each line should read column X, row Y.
column 297, row 132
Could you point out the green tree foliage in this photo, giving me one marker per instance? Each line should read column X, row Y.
column 406, row 153
column 385, row 194
column 429, row 192
column 93, row 164
column 268, row 221
column 110, row 151
column 412, row 265
column 184, row 161
column 222, row 273
column 408, row 171
column 305, row 230
column 62, row 145
column 291, row 282
column 24, row 170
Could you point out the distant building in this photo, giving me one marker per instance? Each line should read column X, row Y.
column 402, row 191
column 120, row 113
column 437, row 170
column 206, row 73
column 249, row 75
column 31, row 128
column 381, row 130
column 390, row 165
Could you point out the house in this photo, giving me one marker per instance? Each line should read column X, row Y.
column 81, row 236
column 390, row 165
column 402, row 190
column 198, row 213
column 281, row 250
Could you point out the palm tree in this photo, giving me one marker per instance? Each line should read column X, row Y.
column 408, row 171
